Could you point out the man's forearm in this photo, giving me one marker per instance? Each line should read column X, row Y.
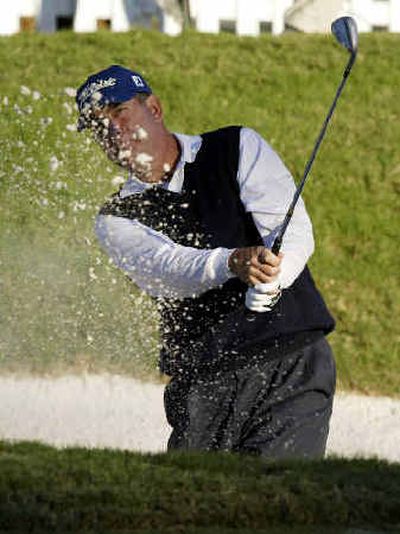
column 266, row 190
column 157, row 264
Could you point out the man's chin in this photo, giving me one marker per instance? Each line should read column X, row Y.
column 144, row 175
column 122, row 162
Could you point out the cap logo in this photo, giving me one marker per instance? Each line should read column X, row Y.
column 96, row 86
column 137, row 80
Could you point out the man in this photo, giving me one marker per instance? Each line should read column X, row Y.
column 192, row 227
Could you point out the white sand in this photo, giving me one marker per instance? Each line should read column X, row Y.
column 123, row 413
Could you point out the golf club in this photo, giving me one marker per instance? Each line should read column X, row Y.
column 345, row 31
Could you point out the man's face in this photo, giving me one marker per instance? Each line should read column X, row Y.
column 128, row 133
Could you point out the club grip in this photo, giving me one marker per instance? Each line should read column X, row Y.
column 276, row 246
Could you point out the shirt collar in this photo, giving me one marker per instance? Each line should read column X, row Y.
column 190, row 145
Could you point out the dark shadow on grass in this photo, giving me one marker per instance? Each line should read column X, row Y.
column 75, row 489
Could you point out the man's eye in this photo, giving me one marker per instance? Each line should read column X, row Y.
column 118, row 111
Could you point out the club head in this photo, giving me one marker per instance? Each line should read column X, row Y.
column 346, row 33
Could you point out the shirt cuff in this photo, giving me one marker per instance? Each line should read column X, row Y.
column 222, row 267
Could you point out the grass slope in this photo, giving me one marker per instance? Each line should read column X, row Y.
column 44, row 489
column 66, row 308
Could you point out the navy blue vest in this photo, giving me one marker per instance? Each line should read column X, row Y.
column 214, row 330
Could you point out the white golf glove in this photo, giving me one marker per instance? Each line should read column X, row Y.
column 263, row 297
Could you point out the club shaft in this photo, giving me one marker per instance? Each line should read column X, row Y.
column 278, row 240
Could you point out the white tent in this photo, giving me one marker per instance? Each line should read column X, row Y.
column 371, row 15
column 244, row 17
column 88, row 15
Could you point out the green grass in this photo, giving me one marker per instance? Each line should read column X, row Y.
column 65, row 308
column 80, row 490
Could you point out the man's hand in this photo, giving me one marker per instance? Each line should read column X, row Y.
column 255, row 265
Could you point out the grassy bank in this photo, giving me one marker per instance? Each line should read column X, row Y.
column 107, row 491
column 65, row 308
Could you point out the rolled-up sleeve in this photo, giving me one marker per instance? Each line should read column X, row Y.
column 157, row 264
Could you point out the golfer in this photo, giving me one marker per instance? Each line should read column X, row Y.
column 193, row 226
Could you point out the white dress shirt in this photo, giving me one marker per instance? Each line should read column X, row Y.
column 163, row 268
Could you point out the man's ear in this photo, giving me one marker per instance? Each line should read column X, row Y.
column 153, row 104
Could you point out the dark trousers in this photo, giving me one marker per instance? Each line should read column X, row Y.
column 277, row 409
